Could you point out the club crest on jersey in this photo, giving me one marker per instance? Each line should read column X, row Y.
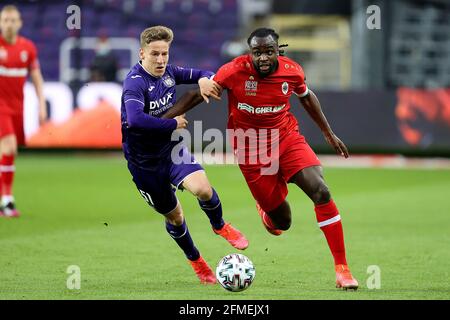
column 285, row 87
column 251, row 87
column 24, row 56
column 168, row 82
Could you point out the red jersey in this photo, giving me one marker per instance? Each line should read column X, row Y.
column 16, row 60
column 255, row 102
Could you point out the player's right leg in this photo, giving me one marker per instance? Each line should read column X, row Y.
column 270, row 192
column 155, row 188
column 8, row 147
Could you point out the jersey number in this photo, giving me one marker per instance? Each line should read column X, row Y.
column 146, row 197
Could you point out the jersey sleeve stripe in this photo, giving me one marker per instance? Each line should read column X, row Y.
column 303, row 94
column 135, row 100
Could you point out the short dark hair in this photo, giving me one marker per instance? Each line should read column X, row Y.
column 262, row 33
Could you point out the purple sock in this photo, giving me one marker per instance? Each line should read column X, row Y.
column 182, row 237
column 213, row 209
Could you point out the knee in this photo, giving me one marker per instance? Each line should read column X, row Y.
column 176, row 217
column 285, row 224
column 176, row 221
column 322, row 194
column 281, row 216
column 203, row 192
column 8, row 147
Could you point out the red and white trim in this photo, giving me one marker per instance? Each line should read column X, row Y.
column 330, row 221
column 304, row 94
column 7, row 168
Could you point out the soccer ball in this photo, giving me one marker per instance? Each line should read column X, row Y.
column 235, row 272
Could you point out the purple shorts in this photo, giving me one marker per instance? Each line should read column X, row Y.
column 158, row 185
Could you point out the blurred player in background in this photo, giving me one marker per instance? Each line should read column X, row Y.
column 148, row 92
column 259, row 87
column 18, row 58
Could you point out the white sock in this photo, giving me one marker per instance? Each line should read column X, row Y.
column 7, row 199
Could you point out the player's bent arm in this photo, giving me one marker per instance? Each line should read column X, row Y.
column 190, row 75
column 187, row 101
column 38, row 82
column 137, row 119
column 312, row 106
column 208, row 87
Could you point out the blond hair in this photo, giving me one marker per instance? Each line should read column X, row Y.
column 156, row 33
column 9, row 7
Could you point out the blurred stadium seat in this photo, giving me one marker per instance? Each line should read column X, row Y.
column 196, row 24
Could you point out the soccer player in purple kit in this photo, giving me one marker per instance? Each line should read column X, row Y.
column 148, row 93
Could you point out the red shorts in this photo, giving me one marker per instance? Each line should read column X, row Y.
column 270, row 190
column 12, row 124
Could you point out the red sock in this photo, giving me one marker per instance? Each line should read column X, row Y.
column 7, row 173
column 330, row 222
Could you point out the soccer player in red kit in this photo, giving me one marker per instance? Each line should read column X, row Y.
column 18, row 57
column 259, row 87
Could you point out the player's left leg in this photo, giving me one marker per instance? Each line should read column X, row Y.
column 8, row 147
column 197, row 184
column 311, row 181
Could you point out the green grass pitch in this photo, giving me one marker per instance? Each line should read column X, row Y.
column 85, row 211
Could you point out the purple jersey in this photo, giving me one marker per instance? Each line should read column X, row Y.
column 146, row 138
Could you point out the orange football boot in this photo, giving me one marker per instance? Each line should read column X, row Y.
column 233, row 236
column 344, row 278
column 262, row 214
column 203, row 271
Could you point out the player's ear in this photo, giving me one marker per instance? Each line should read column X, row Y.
column 141, row 54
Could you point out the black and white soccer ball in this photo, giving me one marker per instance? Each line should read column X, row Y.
column 235, row 272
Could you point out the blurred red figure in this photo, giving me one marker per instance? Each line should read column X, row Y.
column 18, row 58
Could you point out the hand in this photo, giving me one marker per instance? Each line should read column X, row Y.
column 181, row 121
column 209, row 88
column 42, row 113
column 337, row 144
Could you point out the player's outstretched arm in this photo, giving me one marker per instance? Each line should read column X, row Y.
column 312, row 106
column 38, row 82
column 187, row 101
